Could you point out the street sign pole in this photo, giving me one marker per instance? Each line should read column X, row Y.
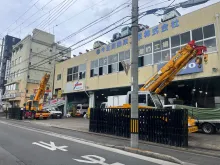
column 134, row 77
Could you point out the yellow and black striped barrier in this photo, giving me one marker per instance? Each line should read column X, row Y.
column 134, row 128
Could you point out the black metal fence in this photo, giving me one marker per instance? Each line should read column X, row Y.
column 159, row 125
column 14, row 113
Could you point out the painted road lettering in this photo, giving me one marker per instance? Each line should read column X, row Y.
column 93, row 159
column 50, row 146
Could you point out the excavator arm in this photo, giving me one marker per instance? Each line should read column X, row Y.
column 168, row 72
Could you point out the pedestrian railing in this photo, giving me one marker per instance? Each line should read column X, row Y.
column 14, row 113
column 164, row 126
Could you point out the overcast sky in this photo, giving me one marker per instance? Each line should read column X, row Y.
column 19, row 17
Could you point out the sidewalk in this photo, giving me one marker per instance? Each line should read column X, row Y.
column 196, row 140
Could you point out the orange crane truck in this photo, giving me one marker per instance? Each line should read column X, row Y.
column 33, row 109
column 148, row 94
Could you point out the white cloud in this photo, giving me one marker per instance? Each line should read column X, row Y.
column 11, row 10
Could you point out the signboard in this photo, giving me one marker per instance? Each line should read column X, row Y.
column 78, row 86
column 190, row 68
column 172, row 24
column 59, row 93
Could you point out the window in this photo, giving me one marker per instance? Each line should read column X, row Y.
column 72, row 73
column 174, row 51
column 141, row 50
column 205, row 36
column 141, row 61
column 75, row 72
column 16, row 61
column 58, row 77
column 157, row 57
column 103, row 67
column 142, row 99
column 150, row 101
column 165, row 43
column 175, row 41
column 157, row 46
column 197, row 34
column 19, row 59
column 124, row 56
column 69, row 74
column 94, row 71
column 148, row 48
column 211, row 45
column 148, row 59
column 209, row 31
column 166, row 55
column 113, row 63
column 82, row 71
column 18, row 73
column 185, row 38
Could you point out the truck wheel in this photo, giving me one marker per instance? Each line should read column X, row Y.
column 208, row 128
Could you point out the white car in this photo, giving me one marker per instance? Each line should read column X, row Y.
column 55, row 113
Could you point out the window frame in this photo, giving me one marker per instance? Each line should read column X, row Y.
column 113, row 63
column 93, row 68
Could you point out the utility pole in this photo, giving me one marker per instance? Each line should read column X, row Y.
column 134, row 128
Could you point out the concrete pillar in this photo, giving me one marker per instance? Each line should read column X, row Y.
column 65, row 106
column 91, row 100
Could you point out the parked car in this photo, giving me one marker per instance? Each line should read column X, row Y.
column 55, row 113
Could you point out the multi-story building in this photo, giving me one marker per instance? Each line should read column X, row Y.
column 100, row 73
column 32, row 57
column 5, row 58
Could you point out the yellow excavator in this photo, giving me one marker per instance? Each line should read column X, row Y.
column 150, row 90
column 33, row 109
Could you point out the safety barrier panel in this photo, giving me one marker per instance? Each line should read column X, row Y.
column 165, row 126
column 14, row 113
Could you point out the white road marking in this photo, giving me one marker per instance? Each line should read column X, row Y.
column 94, row 159
column 82, row 141
column 51, row 146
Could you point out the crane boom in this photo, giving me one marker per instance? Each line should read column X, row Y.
column 168, row 72
column 42, row 87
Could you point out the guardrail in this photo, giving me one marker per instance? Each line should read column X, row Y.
column 168, row 127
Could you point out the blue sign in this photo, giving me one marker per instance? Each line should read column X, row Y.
column 155, row 30
column 147, row 33
column 175, row 23
column 164, row 27
column 190, row 68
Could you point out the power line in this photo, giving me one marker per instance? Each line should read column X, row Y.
column 96, row 21
column 55, row 12
column 79, row 13
column 46, row 60
column 43, row 15
column 61, row 12
column 154, row 4
column 22, row 15
column 32, row 15
column 77, row 32
column 54, row 56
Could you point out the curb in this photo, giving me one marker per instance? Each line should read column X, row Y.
column 189, row 149
column 151, row 154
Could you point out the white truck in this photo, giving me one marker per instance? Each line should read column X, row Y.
column 82, row 109
column 114, row 101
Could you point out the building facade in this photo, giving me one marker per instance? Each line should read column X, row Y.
column 5, row 58
column 101, row 69
column 32, row 57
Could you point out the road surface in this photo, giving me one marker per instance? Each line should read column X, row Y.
column 22, row 145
